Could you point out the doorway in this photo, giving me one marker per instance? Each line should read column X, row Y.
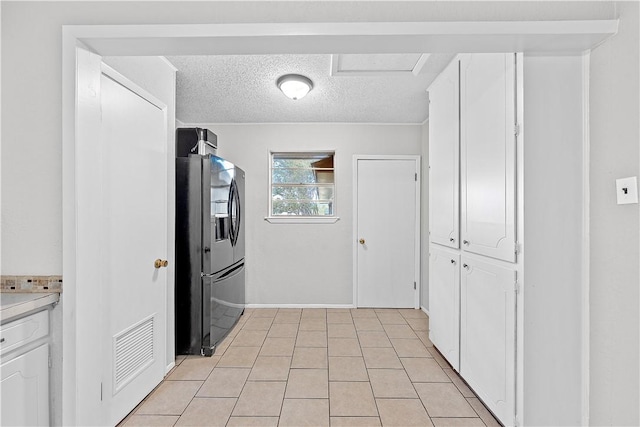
column 387, row 231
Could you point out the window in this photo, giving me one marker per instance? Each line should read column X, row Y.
column 302, row 185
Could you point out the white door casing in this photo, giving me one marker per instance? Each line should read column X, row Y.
column 444, row 303
column 488, row 333
column 444, row 158
column 122, row 208
column 488, row 155
column 387, row 221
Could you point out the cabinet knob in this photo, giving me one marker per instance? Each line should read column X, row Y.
column 466, row 242
column 453, row 261
column 451, row 239
column 466, row 266
column 361, row 241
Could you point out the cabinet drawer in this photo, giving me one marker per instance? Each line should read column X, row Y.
column 23, row 331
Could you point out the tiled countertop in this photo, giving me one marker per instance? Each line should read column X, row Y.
column 14, row 304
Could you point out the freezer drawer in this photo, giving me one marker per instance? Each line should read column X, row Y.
column 225, row 296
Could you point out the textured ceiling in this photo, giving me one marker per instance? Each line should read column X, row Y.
column 242, row 89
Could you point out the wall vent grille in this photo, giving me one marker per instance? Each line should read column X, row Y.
column 134, row 352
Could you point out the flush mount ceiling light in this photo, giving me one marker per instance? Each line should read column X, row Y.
column 294, row 86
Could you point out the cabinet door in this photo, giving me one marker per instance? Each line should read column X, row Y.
column 444, row 160
column 488, row 334
column 444, row 304
column 488, row 154
column 25, row 389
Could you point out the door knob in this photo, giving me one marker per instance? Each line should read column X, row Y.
column 160, row 263
column 361, row 241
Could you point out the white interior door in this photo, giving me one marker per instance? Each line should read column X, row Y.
column 488, row 154
column 122, row 226
column 387, row 232
column 134, row 234
column 444, row 158
column 444, row 303
column 488, row 334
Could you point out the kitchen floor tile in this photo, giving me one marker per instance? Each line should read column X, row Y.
column 339, row 317
column 309, row 357
column 341, row 330
column 381, row 358
column 283, row 330
column 265, row 312
column 373, row 339
column 424, row 337
column 408, row 347
column 438, row 357
column 351, row 399
column 457, row 422
column 412, row 313
column 194, row 368
column 307, row 384
column 260, row 398
column 455, row 379
column 150, row 420
column 367, row 324
column 344, row 347
column 391, row 318
column 363, row 312
column 224, row 382
column 238, row 357
column 314, row 313
column 391, row 383
column 287, row 317
column 258, row 324
column 207, row 412
column 424, row 370
column 403, row 413
column 170, row 398
column 249, row 338
column 399, row 331
column 270, row 368
column 347, row 369
column 313, row 324
column 253, row 422
column 444, row 400
column 311, row 339
column 483, row 412
column 355, row 422
column 418, row 324
column 304, row 412
column 278, row 347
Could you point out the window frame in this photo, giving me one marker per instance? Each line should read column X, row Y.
column 300, row 219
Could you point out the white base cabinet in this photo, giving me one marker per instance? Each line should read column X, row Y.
column 488, row 333
column 25, row 389
column 444, row 300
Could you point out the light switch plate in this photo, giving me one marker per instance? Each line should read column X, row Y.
column 627, row 190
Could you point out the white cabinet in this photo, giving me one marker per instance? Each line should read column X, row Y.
column 24, row 371
column 444, row 302
column 444, row 152
column 488, row 333
column 488, row 155
column 25, row 389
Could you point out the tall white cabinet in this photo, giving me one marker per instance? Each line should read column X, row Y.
column 508, row 246
column 472, row 289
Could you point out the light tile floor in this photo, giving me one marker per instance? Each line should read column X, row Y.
column 317, row 367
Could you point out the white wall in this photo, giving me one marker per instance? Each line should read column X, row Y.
column 553, row 131
column 615, row 229
column 304, row 263
column 424, row 217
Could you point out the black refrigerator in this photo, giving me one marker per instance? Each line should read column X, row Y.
column 209, row 285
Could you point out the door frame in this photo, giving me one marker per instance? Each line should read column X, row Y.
column 273, row 38
column 416, row 239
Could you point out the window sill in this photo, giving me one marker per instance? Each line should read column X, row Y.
column 301, row 220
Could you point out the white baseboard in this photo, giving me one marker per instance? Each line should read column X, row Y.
column 425, row 310
column 300, row 306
